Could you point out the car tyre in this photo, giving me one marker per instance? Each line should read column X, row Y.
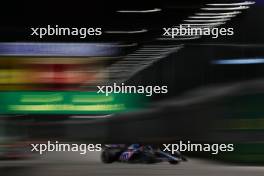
column 107, row 157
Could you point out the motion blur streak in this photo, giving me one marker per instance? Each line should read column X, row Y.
column 239, row 61
column 48, row 87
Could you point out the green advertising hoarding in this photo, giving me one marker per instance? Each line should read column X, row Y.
column 68, row 102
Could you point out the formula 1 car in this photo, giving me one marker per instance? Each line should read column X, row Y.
column 138, row 154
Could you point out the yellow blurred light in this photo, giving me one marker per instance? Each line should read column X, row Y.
column 90, row 99
column 41, row 98
column 67, row 107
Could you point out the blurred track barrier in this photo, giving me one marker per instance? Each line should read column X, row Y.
column 67, row 102
column 51, row 73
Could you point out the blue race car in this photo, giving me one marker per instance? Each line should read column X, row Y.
column 136, row 153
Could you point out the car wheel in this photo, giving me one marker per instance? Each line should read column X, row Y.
column 107, row 157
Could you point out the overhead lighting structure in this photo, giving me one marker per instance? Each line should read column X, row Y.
column 206, row 20
column 127, row 32
column 226, row 8
column 233, row 4
column 144, row 58
column 212, row 17
column 140, row 11
column 219, row 14
column 204, row 24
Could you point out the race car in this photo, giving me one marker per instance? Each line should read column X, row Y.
column 136, row 153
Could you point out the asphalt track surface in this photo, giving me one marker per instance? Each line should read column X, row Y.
column 73, row 164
